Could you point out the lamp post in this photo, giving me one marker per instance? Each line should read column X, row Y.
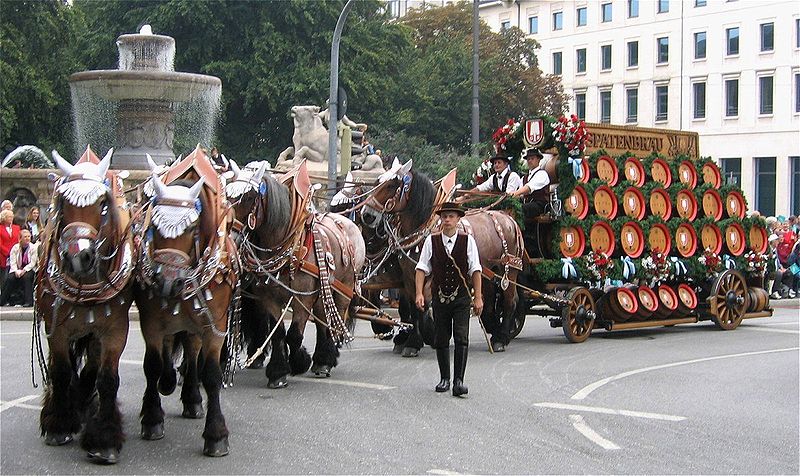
column 475, row 73
column 333, row 106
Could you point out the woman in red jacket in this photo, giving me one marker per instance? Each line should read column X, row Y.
column 9, row 236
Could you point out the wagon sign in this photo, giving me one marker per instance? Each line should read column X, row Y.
column 534, row 132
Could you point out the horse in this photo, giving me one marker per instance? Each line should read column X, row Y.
column 404, row 203
column 187, row 273
column 291, row 253
column 83, row 294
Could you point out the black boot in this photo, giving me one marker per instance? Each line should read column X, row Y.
column 443, row 356
column 459, row 366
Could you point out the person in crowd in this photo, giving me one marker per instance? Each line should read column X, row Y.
column 23, row 260
column 503, row 180
column 218, row 159
column 33, row 223
column 9, row 236
column 793, row 267
column 451, row 260
column 780, row 278
column 369, row 148
column 7, row 205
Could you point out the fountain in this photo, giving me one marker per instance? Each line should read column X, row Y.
column 144, row 106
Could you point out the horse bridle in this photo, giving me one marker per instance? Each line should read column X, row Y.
column 396, row 202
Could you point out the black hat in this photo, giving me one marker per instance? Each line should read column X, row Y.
column 501, row 157
column 451, row 207
column 533, row 152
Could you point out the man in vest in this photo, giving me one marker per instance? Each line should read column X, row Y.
column 452, row 261
column 503, row 180
column 23, row 260
column 535, row 191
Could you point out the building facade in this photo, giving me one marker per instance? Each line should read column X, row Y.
column 728, row 70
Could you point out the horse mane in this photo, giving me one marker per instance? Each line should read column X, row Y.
column 277, row 208
column 420, row 200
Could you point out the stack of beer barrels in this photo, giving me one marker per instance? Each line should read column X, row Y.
column 631, row 208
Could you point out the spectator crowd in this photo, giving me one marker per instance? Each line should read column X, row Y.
column 783, row 278
column 18, row 255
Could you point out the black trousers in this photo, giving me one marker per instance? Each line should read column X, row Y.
column 451, row 319
column 533, row 209
column 13, row 283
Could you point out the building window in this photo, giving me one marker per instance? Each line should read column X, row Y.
column 731, row 170
column 796, row 92
column 765, row 185
column 731, row 97
column 605, row 56
column 558, row 20
column 580, row 105
column 580, row 60
column 633, row 54
column 505, row 25
column 797, row 33
column 662, row 103
column 767, row 36
column 699, row 3
column 606, row 9
column 581, row 14
column 765, row 94
column 795, row 180
column 732, row 41
column 663, row 6
column 605, row 107
column 699, row 96
column 700, row 45
column 533, row 25
column 632, row 104
column 557, row 62
column 663, row 49
column 633, row 8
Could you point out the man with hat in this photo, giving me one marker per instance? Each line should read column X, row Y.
column 503, row 180
column 534, row 192
column 451, row 259
column 780, row 278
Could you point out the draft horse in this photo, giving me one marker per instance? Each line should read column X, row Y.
column 404, row 203
column 83, row 295
column 188, row 270
column 290, row 252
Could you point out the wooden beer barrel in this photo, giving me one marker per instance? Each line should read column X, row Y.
column 734, row 239
column 633, row 203
column 686, row 240
column 735, row 204
column 660, row 172
column 667, row 302
column 711, row 237
column 758, row 239
column 686, row 204
column 687, row 174
column 605, row 202
column 659, row 238
column 648, row 301
column 577, row 204
column 618, row 305
column 687, row 300
column 712, row 204
column 601, row 238
column 711, row 174
column 634, row 171
column 759, row 299
column 607, row 170
column 573, row 241
column 586, row 173
column 660, row 203
column 631, row 239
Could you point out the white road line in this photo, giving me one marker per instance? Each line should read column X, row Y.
column 441, row 471
column 346, row 383
column 778, row 331
column 610, row 411
column 131, row 362
column 15, row 333
column 593, row 436
column 585, row 391
column 773, row 324
column 16, row 403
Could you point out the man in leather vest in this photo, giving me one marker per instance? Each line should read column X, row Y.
column 452, row 261
column 535, row 191
column 503, row 180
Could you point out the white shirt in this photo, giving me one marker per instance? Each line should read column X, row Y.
column 537, row 179
column 473, row 260
column 514, row 181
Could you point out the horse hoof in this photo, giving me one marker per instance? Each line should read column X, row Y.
column 154, row 432
column 57, row 439
column 280, row 382
column 398, row 349
column 410, row 352
column 216, row 448
column 104, row 456
column 321, row 370
column 193, row 411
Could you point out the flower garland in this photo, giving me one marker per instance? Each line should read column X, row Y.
column 756, row 263
column 599, row 265
column 711, row 261
column 483, row 172
column 508, row 138
column 571, row 134
column 656, row 267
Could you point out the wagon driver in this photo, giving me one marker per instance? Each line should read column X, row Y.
column 503, row 180
column 452, row 261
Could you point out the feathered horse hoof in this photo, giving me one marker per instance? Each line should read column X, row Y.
column 216, row 448
column 321, row 370
column 153, row 432
column 57, row 439
column 193, row 411
column 279, row 382
column 104, row 456
column 410, row 352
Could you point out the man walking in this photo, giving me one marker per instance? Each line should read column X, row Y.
column 452, row 261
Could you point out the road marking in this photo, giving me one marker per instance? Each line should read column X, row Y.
column 19, row 402
column 585, row 391
column 346, row 383
column 778, row 331
column 15, row 333
column 441, row 471
column 593, row 436
column 610, row 411
column 773, row 324
column 131, row 362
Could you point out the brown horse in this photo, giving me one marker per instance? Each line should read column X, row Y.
column 404, row 203
column 83, row 295
column 188, row 269
column 291, row 253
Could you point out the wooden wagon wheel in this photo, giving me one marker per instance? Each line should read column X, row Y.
column 576, row 321
column 729, row 300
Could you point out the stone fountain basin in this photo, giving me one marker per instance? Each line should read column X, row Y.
column 149, row 85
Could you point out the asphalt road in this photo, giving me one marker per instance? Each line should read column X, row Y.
column 686, row 399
